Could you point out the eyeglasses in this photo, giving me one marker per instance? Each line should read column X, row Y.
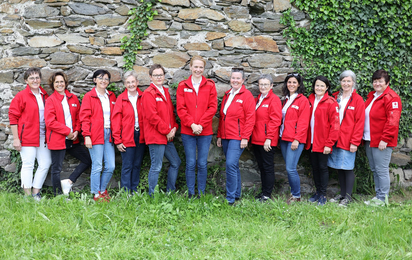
column 158, row 76
column 34, row 78
column 264, row 85
column 104, row 79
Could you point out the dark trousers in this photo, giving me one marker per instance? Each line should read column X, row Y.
column 266, row 167
column 77, row 151
column 320, row 171
column 132, row 160
column 346, row 182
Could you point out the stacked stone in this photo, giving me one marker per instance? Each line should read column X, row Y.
column 80, row 36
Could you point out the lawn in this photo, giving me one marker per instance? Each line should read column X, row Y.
column 171, row 227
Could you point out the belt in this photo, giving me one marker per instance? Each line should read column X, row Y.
column 136, row 128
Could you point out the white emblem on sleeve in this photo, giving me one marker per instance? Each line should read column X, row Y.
column 239, row 101
column 394, row 104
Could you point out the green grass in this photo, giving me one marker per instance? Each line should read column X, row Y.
column 171, row 227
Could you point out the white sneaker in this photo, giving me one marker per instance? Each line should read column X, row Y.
column 375, row 202
column 66, row 186
column 36, row 197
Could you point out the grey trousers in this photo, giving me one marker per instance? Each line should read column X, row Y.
column 379, row 164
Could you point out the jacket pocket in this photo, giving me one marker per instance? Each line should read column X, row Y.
column 266, row 133
column 50, row 135
column 238, row 125
column 21, row 133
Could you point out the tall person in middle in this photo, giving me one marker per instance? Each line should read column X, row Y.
column 236, row 122
column 196, row 104
column 160, row 128
column 323, row 133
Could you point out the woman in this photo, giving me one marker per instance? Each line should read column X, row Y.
column 237, row 118
column 63, row 127
column 196, row 104
column 127, row 127
column 322, row 134
column 160, row 128
column 352, row 120
column 266, row 133
column 97, row 106
column 294, row 128
column 26, row 115
column 382, row 114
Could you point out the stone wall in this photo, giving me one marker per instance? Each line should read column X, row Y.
column 82, row 36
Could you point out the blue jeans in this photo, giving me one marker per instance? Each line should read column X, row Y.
column 102, row 153
column 202, row 143
column 157, row 151
column 291, row 160
column 379, row 164
column 132, row 160
column 232, row 151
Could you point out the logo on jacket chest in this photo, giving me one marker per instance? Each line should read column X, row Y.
column 239, row 101
column 351, row 108
column 74, row 105
column 295, row 107
column 266, row 105
column 159, row 99
column 188, row 90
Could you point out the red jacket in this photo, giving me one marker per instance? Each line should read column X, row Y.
column 91, row 116
column 123, row 119
column 326, row 129
column 159, row 118
column 353, row 122
column 384, row 117
column 268, row 120
column 296, row 121
column 57, row 131
column 239, row 120
column 198, row 109
column 24, row 112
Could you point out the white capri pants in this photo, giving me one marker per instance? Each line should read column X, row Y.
column 28, row 155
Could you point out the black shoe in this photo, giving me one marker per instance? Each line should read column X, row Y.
column 264, row 198
column 259, row 196
column 231, row 204
column 237, row 199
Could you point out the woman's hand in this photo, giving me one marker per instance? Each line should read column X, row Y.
column 88, row 142
column 70, row 136
column 382, row 145
column 267, row 146
column 171, row 134
column 243, row 143
column 121, row 147
column 197, row 129
column 326, row 150
column 353, row 148
column 294, row 145
column 219, row 142
column 17, row 144
column 75, row 135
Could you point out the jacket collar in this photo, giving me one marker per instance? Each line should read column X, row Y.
column 94, row 92
column 267, row 96
column 383, row 94
column 241, row 90
column 125, row 94
column 28, row 89
column 189, row 84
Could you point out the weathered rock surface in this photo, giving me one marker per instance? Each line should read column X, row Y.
column 260, row 43
column 172, row 59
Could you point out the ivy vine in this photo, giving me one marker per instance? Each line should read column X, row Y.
column 140, row 16
column 360, row 35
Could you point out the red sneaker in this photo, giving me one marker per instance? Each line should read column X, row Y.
column 105, row 196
